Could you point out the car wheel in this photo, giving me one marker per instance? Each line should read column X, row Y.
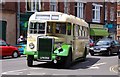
column 92, row 53
column 119, row 56
column 118, row 52
column 109, row 53
column 15, row 54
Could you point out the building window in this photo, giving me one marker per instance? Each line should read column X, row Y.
column 33, row 5
column 2, row 1
column 96, row 12
column 118, row 14
column 79, row 9
column 53, row 5
column 118, row 3
column 112, row 10
column 118, row 26
column 65, row 6
column 106, row 11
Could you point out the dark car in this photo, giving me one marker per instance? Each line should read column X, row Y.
column 21, row 46
column 8, row 50
column 119, row 55
column 105, row 46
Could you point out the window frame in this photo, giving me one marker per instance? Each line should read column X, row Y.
column 53, row 4
column 65, row 6
column 80, row 9
column 112, row 16
column 97, row 11
column 118, row 14
column 106, row 12
column 31, row 5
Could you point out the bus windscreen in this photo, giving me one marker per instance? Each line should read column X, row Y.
column 37, row 28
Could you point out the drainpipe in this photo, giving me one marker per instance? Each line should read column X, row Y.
column 104, row 12
column 105, row 21
column 18, row 20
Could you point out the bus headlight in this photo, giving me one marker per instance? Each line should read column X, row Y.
column 31, row 45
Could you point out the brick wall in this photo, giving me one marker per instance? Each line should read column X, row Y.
column 88, row 11
column 72, row 8
column 46, row 6
column 9, row 14
column 61, row 7
column 10, row 6
column 22, row 7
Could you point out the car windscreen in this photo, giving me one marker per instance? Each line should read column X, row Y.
column 2, row 43
column 103, row 43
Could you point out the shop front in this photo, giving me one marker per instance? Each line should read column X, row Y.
column 3, row 25
column 97, row 32
column 24, row 17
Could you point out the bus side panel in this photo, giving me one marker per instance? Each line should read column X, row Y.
column 65, row 51
column 78, row 48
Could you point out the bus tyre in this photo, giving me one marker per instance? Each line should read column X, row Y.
column 68, row 60
column 85, row 54
column 30, row 60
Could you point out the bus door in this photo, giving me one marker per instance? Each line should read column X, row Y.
column 77, row 44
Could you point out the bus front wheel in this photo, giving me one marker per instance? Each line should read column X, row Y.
column 68, row 60
column 30, row 60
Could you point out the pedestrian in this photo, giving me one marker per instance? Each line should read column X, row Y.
column 21, row 38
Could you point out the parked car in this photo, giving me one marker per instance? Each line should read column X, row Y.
column 91, row 43
column 105, row 46
column 21, row 46
column 8, row 50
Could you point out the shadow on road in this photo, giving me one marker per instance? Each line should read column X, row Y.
column 85, row 64
column 76, row 65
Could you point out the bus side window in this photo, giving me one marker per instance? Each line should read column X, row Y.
column 57, row 28
column 77, row 30
column 63, row 28
column 69, row 29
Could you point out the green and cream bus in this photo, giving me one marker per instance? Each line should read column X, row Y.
column 56, row 37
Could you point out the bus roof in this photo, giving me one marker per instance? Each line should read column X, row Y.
column 57, row 17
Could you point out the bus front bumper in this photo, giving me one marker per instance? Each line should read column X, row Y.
column 35, row 54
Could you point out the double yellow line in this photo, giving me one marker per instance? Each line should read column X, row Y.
column 115, row 68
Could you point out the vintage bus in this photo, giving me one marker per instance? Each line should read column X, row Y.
column 56, row 37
